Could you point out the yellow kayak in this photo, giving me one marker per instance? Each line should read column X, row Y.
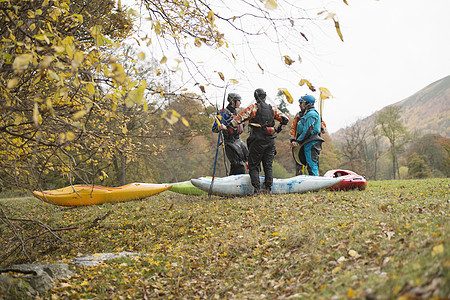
column 81, row 195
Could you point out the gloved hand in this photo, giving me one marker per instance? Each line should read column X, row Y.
column 279, row 128
column 285, row 120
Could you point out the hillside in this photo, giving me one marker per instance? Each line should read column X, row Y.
column 427, row 111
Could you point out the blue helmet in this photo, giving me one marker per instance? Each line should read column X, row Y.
column 308, row 99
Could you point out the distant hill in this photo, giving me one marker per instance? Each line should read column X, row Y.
column 427, row 111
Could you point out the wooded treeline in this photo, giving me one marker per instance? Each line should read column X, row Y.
column 386, row 149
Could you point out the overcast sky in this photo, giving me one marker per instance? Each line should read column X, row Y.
column 391, row 49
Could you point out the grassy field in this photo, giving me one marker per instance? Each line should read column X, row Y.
column 388, row 242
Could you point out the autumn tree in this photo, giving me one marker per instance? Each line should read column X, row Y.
column 375, row 134
column 354, row 148
column 434, row 150
column 417, row 168
column 330, row 156
column 397, row 134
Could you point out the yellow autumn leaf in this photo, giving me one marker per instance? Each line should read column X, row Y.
column 202, row 88
column 163, row 60
column 310, row 86
column 353, row 253
column 17, row 120
column 59, row 49
column 157, row 27
column 12, row 83
column 76, row 82
column 76, row 116
column 271, row 4
column 104, row 176
column 77, row 59
column 185, row 122
column 36, row 115
column 91, row 88
column 145, row 106
column 46, row 61
column 288, row 60
column 325, row 93
column 172, row 119
column 335, row 270
column 118, row 72
column 197, row 42
column 211, row 17
column 338, row 29
column 234, row 81
column 65, row 285
column 351, row 293
column 52, row 74
column 136, row 95
column 175, row 113
column 134, row 13
column 96, row 30
column 439, row 249
column 221, row 76
column 287, row 95
column 345, row 1
column 141, row 55
column 21, row 62
column 70, row 136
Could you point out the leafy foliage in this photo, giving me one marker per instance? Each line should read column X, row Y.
column 417, row 167
column 434, row 150
column 58, row 88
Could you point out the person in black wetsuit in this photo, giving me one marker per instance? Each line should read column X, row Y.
column 261, row 142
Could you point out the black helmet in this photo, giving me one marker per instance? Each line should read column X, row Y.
column 259, row 94
column 234, row 96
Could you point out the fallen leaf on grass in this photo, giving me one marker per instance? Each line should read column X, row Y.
column 439, row 249
column 353, row 253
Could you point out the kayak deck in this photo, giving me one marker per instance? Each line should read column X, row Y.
column 82, row 195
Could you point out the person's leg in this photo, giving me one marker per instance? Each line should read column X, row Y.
column 298, row 169
column 237, row 166
column 311, row 159
column 254, row 161
column 267, row 160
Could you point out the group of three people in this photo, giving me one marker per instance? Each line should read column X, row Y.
column 261, row 141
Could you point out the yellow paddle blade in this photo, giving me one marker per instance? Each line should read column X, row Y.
column 325, row 93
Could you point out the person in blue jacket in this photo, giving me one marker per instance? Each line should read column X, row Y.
column 308, row 135
column 235, row 148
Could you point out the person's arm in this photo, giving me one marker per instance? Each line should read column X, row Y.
column 279, row 116
column 220, row 121
column 294, row 128
column 248, row 114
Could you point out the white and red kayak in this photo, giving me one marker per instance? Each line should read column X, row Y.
column 239, row 185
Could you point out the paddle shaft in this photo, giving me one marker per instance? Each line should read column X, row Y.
column 215, row 165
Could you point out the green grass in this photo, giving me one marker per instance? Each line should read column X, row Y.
column 388, row 242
